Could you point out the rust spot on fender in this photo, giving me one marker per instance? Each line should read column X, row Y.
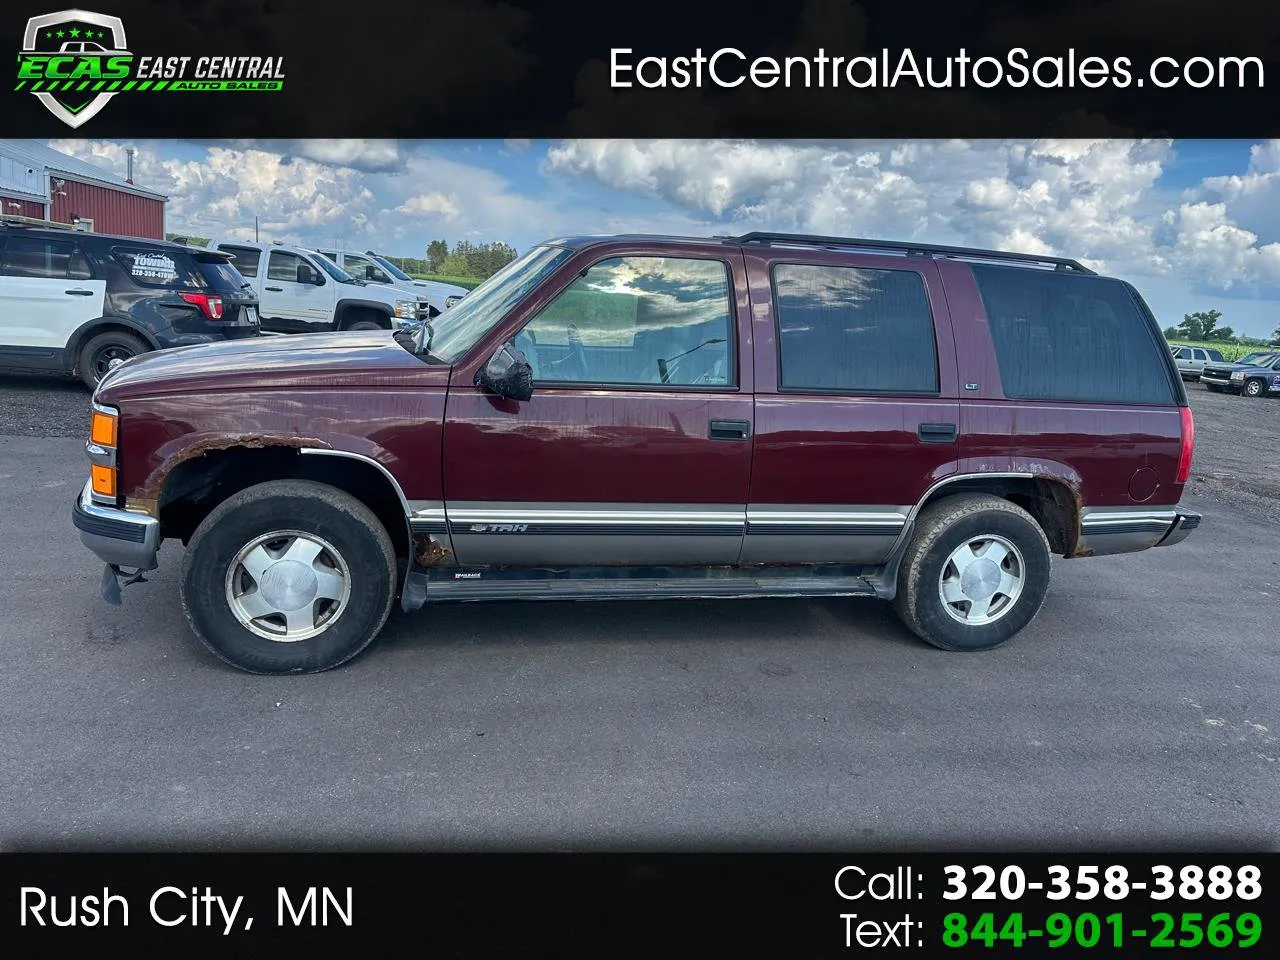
column 428, row 551
column 151, row 507
column 154, row 484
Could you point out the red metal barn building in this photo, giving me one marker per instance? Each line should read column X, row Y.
column 42, row 183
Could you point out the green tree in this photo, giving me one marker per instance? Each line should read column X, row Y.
column 437, row 251
column 1203, row 325
column 1171, row 333
column 455, row 265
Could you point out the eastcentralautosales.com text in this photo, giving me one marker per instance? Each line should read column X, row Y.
column 731, row 67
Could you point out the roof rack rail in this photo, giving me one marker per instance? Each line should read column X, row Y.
column 16, row 221
column 909, row 249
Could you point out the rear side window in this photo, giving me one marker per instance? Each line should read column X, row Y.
column 156, row 268
column 854, row 329
column 220, row 275
column 43, row 259
column 1072, row 338
column 245, row 259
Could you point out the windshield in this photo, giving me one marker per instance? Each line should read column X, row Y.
column 332, row 269
column 392, row 269
column 458, row 328
column 1257, row 359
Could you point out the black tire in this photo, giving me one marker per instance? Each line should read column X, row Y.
column 366, row 321
column 942, row 528
column 1254, row 387
column 312, row 509
column 97, row 353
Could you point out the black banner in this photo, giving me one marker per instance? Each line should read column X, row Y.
column 518, row 68
column 810, row 906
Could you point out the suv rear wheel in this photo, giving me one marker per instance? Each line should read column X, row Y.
column 104, row 352
column 975, row 573
column 289, row 576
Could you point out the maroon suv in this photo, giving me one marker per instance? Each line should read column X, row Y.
column 634, row 416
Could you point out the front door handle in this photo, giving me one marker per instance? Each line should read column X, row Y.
column 937, row 432
column 78, row 293
column 276, row 289
column 729, row 430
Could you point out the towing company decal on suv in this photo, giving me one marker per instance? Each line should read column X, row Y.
column 75, row 61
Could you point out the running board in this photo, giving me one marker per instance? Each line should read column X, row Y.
column 603, row 583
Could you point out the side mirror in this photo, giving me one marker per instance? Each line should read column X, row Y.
column 507, row 374
column 307, row 275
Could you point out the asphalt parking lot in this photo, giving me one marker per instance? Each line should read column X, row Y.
column 1139, row 709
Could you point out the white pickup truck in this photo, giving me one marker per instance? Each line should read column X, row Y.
column 375, row 268
column 302, row 291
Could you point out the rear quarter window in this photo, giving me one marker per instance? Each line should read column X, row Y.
column 157, row 268
column 221, row 275
column 1072, row 338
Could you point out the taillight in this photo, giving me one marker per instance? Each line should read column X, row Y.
column 209, row 304
column 1188, row 446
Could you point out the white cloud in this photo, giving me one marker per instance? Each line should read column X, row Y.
column 222, row 192
column 429, row 204
column 1095, row 200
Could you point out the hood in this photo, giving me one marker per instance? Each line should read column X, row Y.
column 443, row 289
column 1232, row 367
column 354, row 360
column 362, row 290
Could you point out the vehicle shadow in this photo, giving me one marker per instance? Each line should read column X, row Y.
column 555, row 622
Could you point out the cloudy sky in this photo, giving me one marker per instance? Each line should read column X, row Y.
column 1193, row 224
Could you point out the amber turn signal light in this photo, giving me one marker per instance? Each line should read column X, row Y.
column 104, row 480
column 102, row 429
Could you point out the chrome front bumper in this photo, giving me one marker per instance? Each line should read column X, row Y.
column 118, row 537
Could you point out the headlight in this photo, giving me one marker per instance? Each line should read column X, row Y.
column 1238, row 375
column 406, row 309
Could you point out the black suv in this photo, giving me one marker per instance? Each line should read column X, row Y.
column 82, row 303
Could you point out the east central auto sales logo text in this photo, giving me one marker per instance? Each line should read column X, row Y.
column 75, row 61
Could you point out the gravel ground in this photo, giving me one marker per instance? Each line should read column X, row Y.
column 1237, row 460
column 39, row 406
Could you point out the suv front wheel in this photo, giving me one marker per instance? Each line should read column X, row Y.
column 975, row 572
column 289, row 576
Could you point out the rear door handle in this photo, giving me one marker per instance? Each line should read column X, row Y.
column 729, row 430
column 936, row 432
column 78, row 293
column 276, row 289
